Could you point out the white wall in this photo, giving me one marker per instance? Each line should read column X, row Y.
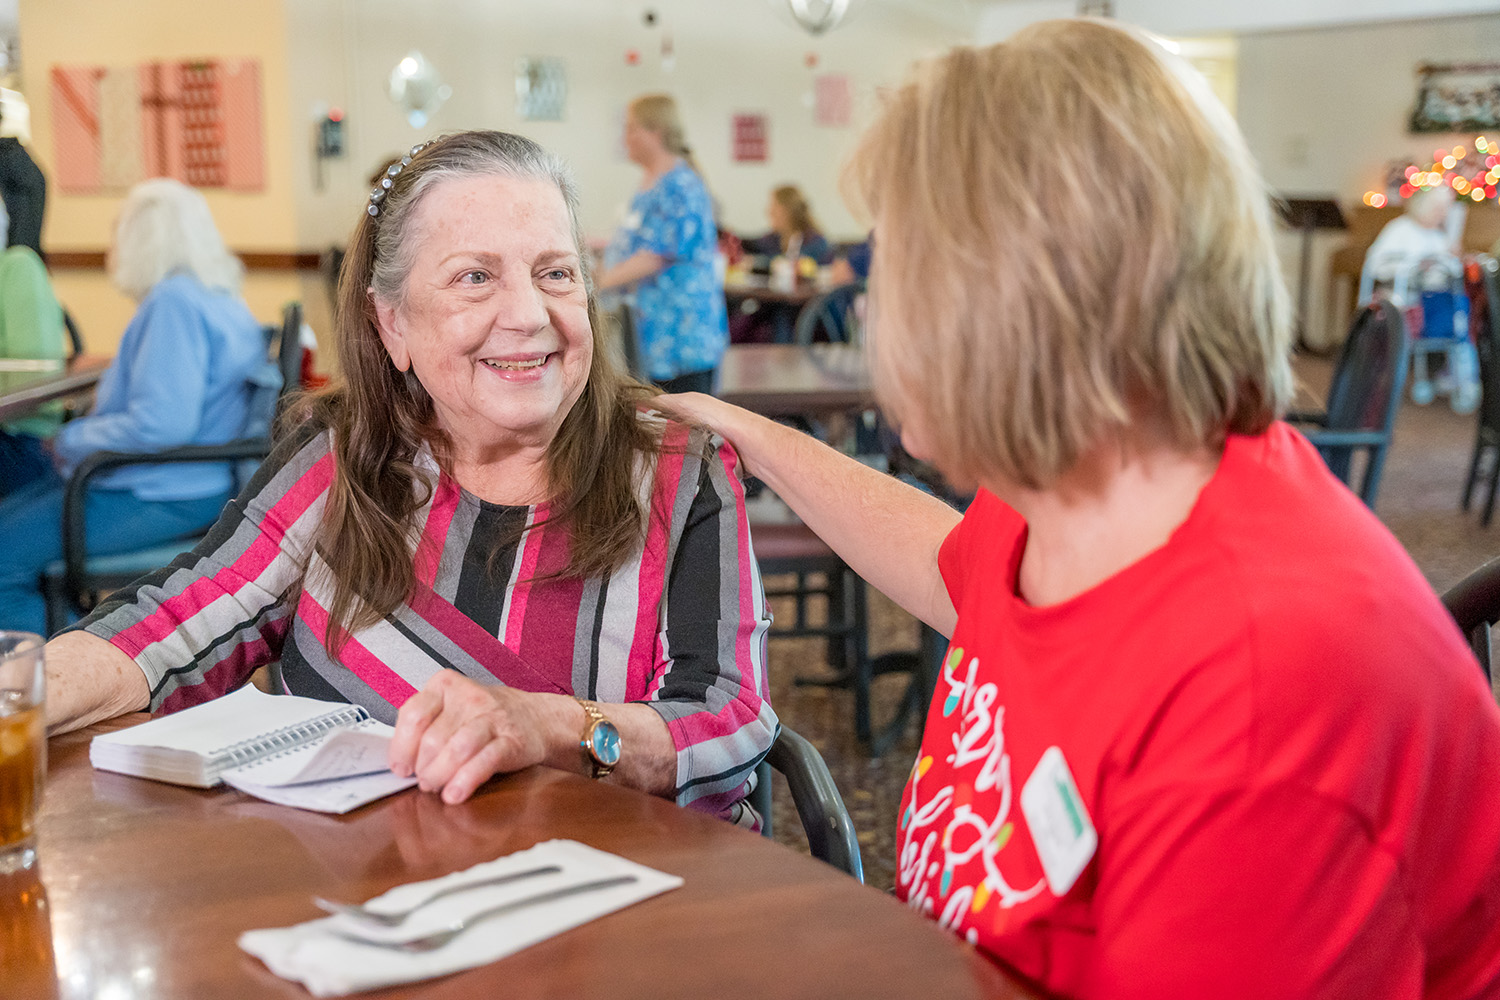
column 731, row 55
column 1325, row 110
column 999, row 21
column 1195, row 17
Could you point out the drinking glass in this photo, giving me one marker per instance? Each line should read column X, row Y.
column 23, row 747
column 27, row 966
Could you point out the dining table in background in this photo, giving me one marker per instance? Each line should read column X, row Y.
column 23, row 389
column 758, row 287
column 142, row 889
column 783, row 380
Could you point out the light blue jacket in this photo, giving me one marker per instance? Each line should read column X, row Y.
column 179, row 378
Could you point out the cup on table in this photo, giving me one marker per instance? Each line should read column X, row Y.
column 783, row 274
column 23, row 747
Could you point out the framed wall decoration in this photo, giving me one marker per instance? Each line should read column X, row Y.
column 1457, row 97
column 196, row 120
column 751, row 138
column 541, row 89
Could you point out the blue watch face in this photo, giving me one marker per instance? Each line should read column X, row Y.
column 606, row 744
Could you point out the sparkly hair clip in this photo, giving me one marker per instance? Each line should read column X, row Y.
column 381, row 189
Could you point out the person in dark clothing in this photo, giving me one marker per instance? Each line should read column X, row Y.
column 24, row 189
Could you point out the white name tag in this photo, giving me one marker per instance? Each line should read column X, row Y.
column 1064, row 835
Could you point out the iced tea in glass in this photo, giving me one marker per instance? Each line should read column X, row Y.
column 23, row 747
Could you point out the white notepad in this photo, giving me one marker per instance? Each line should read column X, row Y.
column 299, row 752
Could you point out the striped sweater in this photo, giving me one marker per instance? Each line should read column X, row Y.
column 681, row 626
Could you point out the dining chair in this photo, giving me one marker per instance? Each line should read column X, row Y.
column 1363, row 399
column 630, row 341
column 820, row 806
column 1487, row 431
column 75, row 338
column 75, row 582
column 831, row 315
column 1474, row 603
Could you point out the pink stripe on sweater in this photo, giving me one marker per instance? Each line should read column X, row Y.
column 435, row 534
column 548, row 638
column 248, row 567
column 360, row 661
column 496, row 657
column 223, row 677
column 531, row 551
column 645, row 650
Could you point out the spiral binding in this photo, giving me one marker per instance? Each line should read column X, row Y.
column 286, row 738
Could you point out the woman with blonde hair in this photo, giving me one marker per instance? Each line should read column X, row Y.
column 180, row 377
column 1203, row 729
column 477, row 534
column 663, row 257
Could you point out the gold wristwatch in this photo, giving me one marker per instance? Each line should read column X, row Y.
column 600, row 741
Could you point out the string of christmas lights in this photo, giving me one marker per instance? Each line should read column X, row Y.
column 1471, row 173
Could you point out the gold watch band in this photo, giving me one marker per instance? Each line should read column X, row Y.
column 597, row 767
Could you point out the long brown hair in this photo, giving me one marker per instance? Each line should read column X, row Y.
column 798, row 212
column 381, row 417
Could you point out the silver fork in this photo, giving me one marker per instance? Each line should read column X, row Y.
column 435, row 940
column 395, row 919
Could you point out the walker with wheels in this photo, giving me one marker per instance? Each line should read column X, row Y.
column 1430, row 294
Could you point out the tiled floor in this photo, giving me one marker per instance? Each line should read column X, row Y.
column 1418, row 500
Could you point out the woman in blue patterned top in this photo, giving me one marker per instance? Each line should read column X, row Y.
column 663, row 254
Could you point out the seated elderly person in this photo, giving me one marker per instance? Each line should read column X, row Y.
column 180, row 377
column 477, row 534
column 31, row 330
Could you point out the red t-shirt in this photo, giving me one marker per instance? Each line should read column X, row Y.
column 1290, row 758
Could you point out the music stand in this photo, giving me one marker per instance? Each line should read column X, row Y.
column 1308, row 215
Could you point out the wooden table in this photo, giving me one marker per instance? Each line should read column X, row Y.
column 22, row 392
column 780, row 380
column 736, row 291
column 149, row 885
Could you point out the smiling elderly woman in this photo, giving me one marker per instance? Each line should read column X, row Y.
column 477, row 525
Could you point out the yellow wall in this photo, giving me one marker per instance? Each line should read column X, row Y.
column 87, row 32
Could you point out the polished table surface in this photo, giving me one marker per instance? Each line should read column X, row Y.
column 789, row 379
column 23, row 392
column 149, row 885
column 758, row 287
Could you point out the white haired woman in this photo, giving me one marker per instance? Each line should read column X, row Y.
column 179, row 378
column 1203, row 728
column 477, row 534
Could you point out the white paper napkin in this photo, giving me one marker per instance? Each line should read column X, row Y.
column 333, row 966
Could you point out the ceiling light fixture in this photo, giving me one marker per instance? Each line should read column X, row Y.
column 818, row 16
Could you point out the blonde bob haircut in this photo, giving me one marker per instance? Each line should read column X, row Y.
column 1073, row 249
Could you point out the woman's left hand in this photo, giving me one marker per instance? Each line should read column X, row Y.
column 455, row 734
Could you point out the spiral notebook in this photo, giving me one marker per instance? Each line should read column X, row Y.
column 300, row 752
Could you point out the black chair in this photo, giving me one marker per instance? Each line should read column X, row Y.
column 76, row 582
column 630, row 342
column 825, row 819
column 790, row 548
column 1362, row 399
column 1474, row 603
column 75, row 339
column 829, row 316
column 1487, row 436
